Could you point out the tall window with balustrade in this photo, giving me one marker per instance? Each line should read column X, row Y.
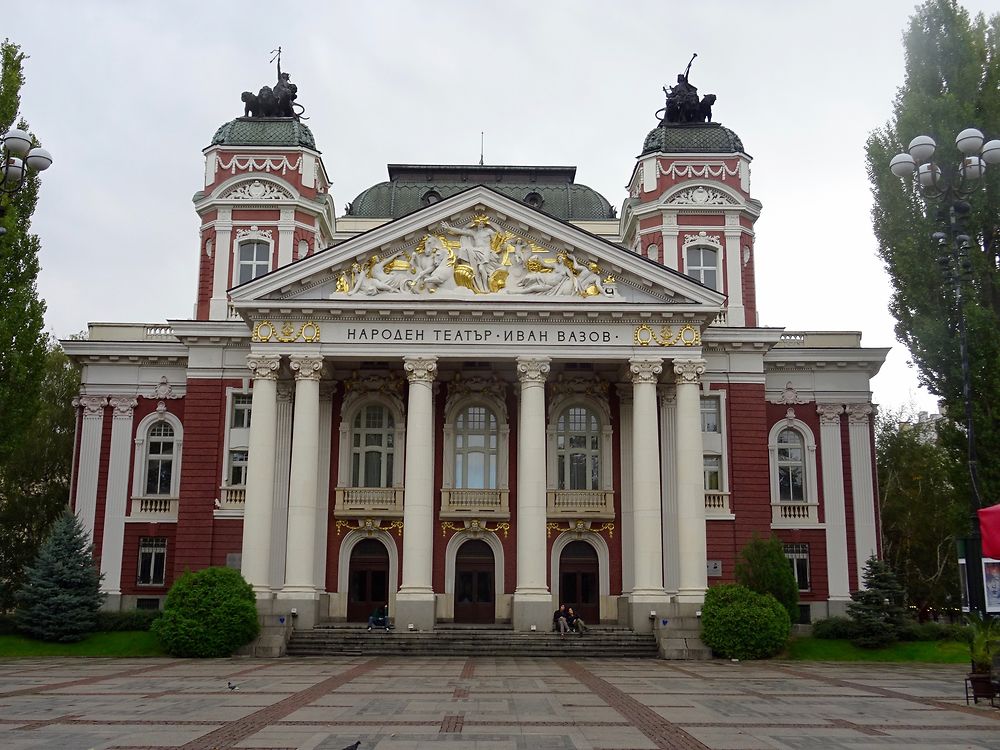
column 476, row 442
column 578, row 449
column 159, row 459
column 373, row 447
column 791, row 467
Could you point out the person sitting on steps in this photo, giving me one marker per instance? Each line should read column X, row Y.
column 379, row 618
column 559, row 621
column 575, row 623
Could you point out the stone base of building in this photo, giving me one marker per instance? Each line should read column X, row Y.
column 532, row 610
column 416, row 610
column 111, row 603
column 645, row 610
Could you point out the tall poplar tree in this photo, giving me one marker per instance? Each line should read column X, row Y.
column 952, row 82
column 22, row 342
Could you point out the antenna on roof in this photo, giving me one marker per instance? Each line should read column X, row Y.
column 482, row 141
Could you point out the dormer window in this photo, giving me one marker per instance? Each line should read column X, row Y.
column 431, row 196
column 254, row 260
column 702, row 265
column 534, row 200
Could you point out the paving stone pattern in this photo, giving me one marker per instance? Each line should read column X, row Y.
column 530, row 703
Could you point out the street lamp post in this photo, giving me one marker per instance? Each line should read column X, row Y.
column 17, row 158
column 949, row 185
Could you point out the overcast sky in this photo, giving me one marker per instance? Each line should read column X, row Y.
column 126, row 94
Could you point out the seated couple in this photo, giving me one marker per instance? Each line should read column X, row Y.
column 565, row 620
column 379, row 618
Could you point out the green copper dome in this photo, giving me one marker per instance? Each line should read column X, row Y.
column 692, row 138
column 264, row 131
column 548, row 189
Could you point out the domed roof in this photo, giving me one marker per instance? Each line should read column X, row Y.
column 548, row 189
column 264, row 131
column 692, row 138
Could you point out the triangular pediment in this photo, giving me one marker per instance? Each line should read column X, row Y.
column 476, row 247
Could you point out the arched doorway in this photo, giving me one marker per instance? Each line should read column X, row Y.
column 475, row 599
column 368, row 581
column 578, row 581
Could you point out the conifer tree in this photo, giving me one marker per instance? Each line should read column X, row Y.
column 878, row 607
column 61, row 594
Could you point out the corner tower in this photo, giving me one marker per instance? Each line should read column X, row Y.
column 265, row 201
column 689, row 204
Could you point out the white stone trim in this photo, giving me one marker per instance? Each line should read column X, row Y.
column 140, row 457
column 451, row 555
column 251, row 235
column 353, row 403
column 811, row 493
column 558, row 404
column 282, row 474
column 116, row 499
column 497, row 404
column 91, row 438
column 351, row 539
column 600, row 546
column 838, row 580
column 862, row 486
column 323, row 486
column 625, row 468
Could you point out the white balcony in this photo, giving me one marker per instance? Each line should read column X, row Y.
column 154, row 508
column 794, row 515
column 232, row 501
column 717, row 505
column 581, row 504
column 465, row 503
column 368, row 502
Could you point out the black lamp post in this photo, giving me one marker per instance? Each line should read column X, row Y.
column 17, row 157
column 949, row 185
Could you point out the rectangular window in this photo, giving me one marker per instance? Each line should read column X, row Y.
column 713, row 473
column 152, row 560
column 254, row 260
column 710, row 414
column 238, row 468
column 798, row 558
column 241, row 411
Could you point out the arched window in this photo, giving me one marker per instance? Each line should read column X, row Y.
column 159, row 459
column 578, row 449
column 373, row 437
column 254, row 260
column 702, row 265
column 476, row 440
column 791, row 467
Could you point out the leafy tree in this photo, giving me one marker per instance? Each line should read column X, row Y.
column 952, row 80
column 208, row 613
column 763, row 568
column 878, row 607
column 22, row 355
column 922, row 514
column 61, row 594
column 34, row 485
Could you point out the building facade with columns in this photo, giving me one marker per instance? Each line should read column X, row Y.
column 476, row 393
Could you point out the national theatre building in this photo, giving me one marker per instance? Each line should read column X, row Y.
column 476, row 393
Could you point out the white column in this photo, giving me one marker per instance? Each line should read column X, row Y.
column 323, row 485
column 647, row 552
column 415, row 600
column 625, row 473
column 286, row 230
column 834, row 514
column 300, row 547
column 90, row 459
column 862, row 485
column 734, row 277
column 668, row 488
column 256, row 557
column 219, row 304
column 113, row 541
column 532, row 599
column 282, row 472
column 690, row 483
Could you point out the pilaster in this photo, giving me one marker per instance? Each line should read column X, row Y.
column 113, row 541
column 690, row 483
column 668, row 488
column 90, row 458
column 282, row 475
column 862, row 485
column 219, row 304
column 832, row 459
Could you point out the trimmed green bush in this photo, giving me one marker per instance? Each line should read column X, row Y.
column 207, row 614
column 126, row 619
column 835, row 629
column 60, row 596
column 738, row 623
column 763, row 568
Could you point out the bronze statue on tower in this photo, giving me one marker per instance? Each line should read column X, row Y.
column 683, row 105
column 278, row 101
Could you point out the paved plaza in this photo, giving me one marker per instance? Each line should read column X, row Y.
column 483, row 704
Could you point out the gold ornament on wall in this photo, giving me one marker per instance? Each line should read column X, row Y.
column 286, row 333
column 685, row 335
column 580, row 528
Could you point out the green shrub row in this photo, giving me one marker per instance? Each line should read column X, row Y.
column 846, row 629
column 105, row 622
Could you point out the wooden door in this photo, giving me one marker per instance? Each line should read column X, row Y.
column 578, row 581
column 368, row 580
column 475, row 599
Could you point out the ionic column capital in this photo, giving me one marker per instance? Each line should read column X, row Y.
column 532, row 369
column 123, row 406
column 643, row 370
column 264, row 366
column 93, row 406
column 829, row 413
column 306, row 367
column 859, row 413
column 420, row 369
column 688, row 370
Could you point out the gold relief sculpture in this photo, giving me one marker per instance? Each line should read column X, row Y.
column 369, row 526
column 288, row 332
column 686, row 335
column 580, row 528
column 475, row 528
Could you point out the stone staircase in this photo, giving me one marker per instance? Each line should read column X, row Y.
column 680, row 638
column 338, row 639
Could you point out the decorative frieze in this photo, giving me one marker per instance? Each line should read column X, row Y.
column 688, row 370
column 859, row 413
column 163, row 390
column 829, row 413
column 685, row 335
column 264, row 366
column 305, row 367
column 702, row 196
column 257, row 191
column 93, row 406
column 532, row 370
column 420, row 370
column 123, row 406
column 646, row 370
